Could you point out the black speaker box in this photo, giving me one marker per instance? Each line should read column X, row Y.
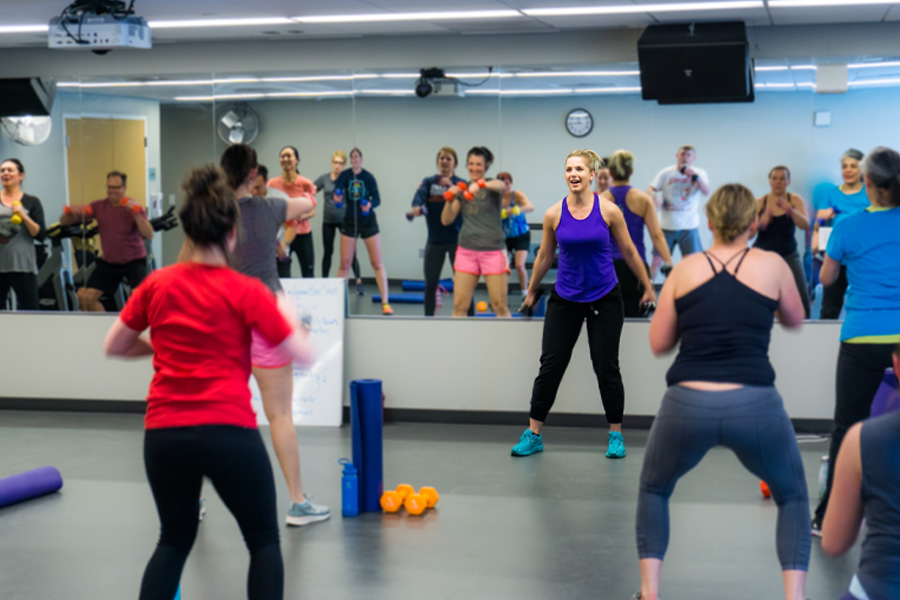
column 24, row 97
column 696, row 63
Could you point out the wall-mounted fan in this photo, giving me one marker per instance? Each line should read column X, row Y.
column 28, row 131
column 238, row 124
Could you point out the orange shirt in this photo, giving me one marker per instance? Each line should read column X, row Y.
column 301, row 187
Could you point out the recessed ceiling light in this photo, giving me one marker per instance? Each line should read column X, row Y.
column 581, row 11
column 411, row 16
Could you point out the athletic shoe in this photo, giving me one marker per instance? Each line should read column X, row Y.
column 386, row 309
column 637, row 596
column 816, row 526
column 306, row 513
column 529, row 443
column 616, row 446
column 202, row 508
column 361, row 289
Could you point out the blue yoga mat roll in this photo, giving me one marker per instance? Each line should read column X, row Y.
column 29, row 484
column 366, row 422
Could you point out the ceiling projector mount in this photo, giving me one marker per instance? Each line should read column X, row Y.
column 98, row 25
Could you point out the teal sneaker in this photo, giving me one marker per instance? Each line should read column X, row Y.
column 529, row 443
column 616, row 447
column 306, row 513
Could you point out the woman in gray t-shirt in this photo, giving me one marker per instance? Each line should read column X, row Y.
column 21, row 222
column 482, row 242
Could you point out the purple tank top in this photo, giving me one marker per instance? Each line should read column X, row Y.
column 634, row 223
column 585, row 270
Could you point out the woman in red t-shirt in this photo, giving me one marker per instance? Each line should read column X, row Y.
column 199, row 420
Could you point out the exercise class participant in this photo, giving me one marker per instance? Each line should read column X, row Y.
column 840, row 202
column 780, row 213
column 21, row 223
column 515, row 206
column 867, row 486
column 360, row 192
column 584, row 225
column 679, row 188
column 261, row 189
column 429, row 201
column 639, row 211
column 254, row 255
column 298, row 238
column 199, row 421
column 719, row 305
column 865, row 245
column 481, row 239
column 604, row 177
column 333, row 216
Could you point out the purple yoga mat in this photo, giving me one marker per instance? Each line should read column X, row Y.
column 887, row 398
column 29, row 484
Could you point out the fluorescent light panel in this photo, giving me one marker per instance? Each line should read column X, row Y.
column 243, row 22
column 885, row 81
column 608, row 90
column 24, row 28
column 642, row 8
column 412, row 16
column 552, row 92
column 578, row 74
column 814, row 3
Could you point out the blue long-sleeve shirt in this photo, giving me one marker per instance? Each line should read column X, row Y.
column 430, row 194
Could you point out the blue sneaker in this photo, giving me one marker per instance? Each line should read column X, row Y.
column 306, row 513
column 529, row 443
column 616, row 447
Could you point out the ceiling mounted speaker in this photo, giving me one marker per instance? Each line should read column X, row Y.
column 696, row 63
column 238, row 124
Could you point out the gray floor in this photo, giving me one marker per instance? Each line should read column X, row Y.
column 555, row 525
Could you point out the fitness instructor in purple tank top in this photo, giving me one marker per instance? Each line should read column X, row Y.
column 586, row 228
column 639, row 211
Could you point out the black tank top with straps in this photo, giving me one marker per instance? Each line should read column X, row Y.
column 725, row 328
column 778, row 236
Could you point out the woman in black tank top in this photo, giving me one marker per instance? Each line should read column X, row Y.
column 780, row 213
column 720, row 306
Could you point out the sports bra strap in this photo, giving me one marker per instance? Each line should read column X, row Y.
column 711, row 265
column 727, row 262
column 743, row 256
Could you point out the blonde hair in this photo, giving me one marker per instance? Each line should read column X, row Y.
column 592, row 159
column 339, row 154
column 450, row 152
column 621, row 165
column 731, row 210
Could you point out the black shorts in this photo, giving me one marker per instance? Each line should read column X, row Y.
column 107, row 276
column 520, row 242
column 363, row 228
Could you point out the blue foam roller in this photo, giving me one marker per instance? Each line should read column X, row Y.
column 29, row 484
column 366, row 410
column 887, row 397
column 419, row 286
column 402, row 298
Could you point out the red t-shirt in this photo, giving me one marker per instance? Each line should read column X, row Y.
column 301, row 187
column 119, row 236
column 200, row 319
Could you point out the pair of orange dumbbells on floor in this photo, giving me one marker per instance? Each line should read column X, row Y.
column 406, row 496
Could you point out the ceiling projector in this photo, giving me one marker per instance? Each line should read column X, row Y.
column 98, row 25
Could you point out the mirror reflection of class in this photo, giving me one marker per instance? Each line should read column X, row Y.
column 379, row 223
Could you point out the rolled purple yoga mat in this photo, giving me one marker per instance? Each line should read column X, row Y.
column 29, row 484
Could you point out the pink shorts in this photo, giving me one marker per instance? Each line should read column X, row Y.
column 266, row 356
column 480, row 262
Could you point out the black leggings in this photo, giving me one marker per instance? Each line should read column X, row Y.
column 833, row 296
column 302, row 246
column 235, row 460
column 434, row 264
column 860, row 368
column 26, row 288
column 562, row 325
column 328, row 234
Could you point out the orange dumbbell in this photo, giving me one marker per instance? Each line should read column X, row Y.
column 392, row 500
column 764, row 488
column 431, row 495
column 415, row 504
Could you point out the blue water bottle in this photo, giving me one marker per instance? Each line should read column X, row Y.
column 349, row 489
column 338, row 198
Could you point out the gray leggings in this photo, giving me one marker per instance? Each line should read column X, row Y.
column 751, row 421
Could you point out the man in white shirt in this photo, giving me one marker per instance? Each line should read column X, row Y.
column 676, row 191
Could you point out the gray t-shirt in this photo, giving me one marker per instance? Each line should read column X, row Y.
column 482, row 227
column 330, row 213
column 17, row 253
column 255, row 252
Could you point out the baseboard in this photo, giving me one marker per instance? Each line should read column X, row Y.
column 395, row 415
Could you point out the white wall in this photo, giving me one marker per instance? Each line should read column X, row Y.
column 432, row 364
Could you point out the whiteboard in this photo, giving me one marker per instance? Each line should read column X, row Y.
column 318, row 390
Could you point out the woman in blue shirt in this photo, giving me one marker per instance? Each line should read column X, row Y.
column 839, row 203
column 865, row 245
